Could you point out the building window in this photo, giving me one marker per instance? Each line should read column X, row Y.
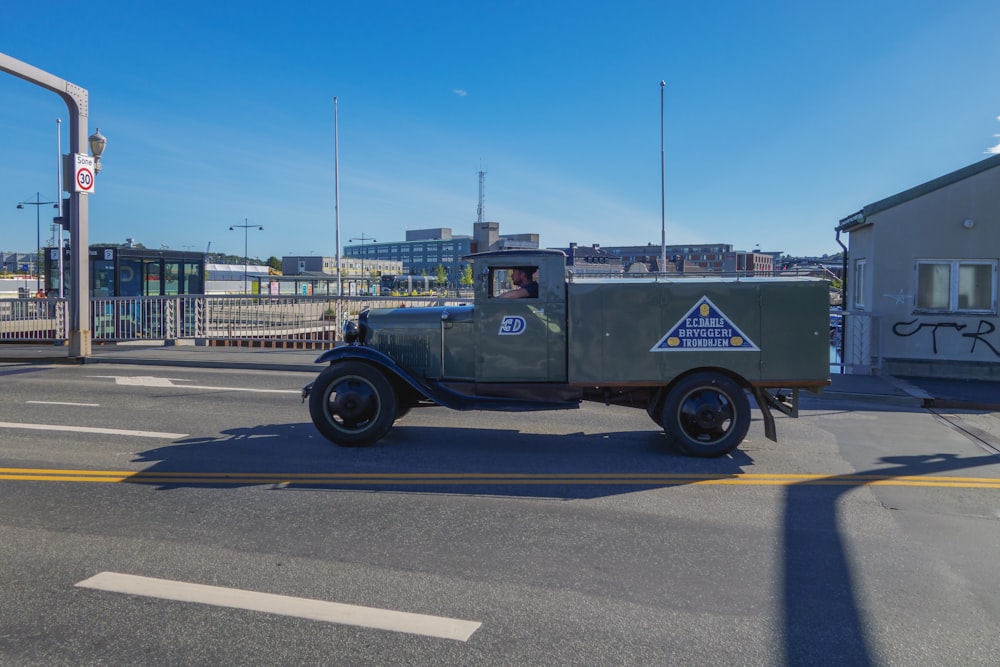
column 952, row 286
column 860, row 282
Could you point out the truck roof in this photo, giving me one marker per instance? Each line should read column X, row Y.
column 514, row 254
column 681, row 278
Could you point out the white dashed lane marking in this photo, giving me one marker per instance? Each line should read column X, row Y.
column 153, row 381
column 317, row 610
column 94, row 429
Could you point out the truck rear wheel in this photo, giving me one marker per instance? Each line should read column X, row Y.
column 352, row 404
column 706, row 414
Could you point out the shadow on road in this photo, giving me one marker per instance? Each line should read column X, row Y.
column 434, row 460
column 823, row 622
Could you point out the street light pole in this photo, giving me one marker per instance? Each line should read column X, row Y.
column 246, row 240
column 663, row 187
column 38, row 234
column 362, row 238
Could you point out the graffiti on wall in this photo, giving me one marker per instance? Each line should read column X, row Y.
column 979, row 335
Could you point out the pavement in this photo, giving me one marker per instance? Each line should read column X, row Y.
column 914, row 392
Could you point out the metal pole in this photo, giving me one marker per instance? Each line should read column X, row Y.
column 362, row 238
column 38, row 236
column 336, row 199
column 246, row 251
column 59, row 189
column 38, row 242
column 663, row 186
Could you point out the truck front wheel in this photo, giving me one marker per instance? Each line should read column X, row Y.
column 352, row 404
column 706, row 414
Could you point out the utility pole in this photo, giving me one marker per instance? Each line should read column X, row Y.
column 38, row 236
column 362, row 238
column 246, row 258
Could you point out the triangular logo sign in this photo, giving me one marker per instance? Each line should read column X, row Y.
column 705, row 328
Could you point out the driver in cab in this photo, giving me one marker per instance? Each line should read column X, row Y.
column 524, row 278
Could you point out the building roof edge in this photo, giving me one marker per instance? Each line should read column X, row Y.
column 932, row 185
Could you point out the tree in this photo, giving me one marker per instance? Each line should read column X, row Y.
column 441, row 274
column 466, row 280
column 274, row 263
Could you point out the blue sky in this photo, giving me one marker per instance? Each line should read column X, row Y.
column 780, row 117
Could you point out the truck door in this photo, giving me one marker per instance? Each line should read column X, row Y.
column 524, row 339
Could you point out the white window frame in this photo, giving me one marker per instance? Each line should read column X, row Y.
column 954, row 278
column 860, row 284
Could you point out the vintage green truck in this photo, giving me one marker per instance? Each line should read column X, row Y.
column 687, row 350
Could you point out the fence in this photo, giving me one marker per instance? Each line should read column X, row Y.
column 856, row 344
column 209, row 318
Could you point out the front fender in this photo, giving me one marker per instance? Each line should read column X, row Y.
column 378, row 359
column 354, row 352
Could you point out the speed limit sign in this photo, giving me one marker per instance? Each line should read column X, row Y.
column 83, row 180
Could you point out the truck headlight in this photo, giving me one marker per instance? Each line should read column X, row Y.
column 351, row 332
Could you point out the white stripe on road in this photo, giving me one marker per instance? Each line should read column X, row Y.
column 317, row 610
column 153, row 381
column 85, row 405
column 94, row 429
column 249, row 389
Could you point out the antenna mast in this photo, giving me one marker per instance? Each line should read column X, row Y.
column 482, row 195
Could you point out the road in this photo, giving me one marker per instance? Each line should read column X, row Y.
column 188, row 516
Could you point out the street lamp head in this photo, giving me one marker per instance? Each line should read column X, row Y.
column 260, row 229
column 231, row 228
column 20, row 205
column 97, row 143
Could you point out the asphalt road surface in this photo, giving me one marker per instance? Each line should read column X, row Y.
column 178, row 516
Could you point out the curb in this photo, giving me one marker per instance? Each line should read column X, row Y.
column 890, row 399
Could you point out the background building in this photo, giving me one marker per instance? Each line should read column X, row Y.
column 921, row 284
column 424, row 250
column 132, row 271
column 591, row 259
column 18, row 263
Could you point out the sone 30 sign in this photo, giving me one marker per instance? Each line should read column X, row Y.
column 83, row 173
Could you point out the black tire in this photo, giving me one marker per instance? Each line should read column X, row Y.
column 706, row 414
column 353, row 404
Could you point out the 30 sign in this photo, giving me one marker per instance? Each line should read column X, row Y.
column 83, row 179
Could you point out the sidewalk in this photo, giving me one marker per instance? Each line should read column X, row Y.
column 155, row 353
column 912, row 392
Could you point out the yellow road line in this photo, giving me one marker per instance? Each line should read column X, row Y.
column 488, row 479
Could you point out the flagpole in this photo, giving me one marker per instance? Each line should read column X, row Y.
column 336, row 204
column 59, row 199
column 663, row 185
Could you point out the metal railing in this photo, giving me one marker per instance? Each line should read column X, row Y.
column 292, row 319
column 857, row 344
column 33, row 320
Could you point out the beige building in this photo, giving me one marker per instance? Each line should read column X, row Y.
column 921, row 279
